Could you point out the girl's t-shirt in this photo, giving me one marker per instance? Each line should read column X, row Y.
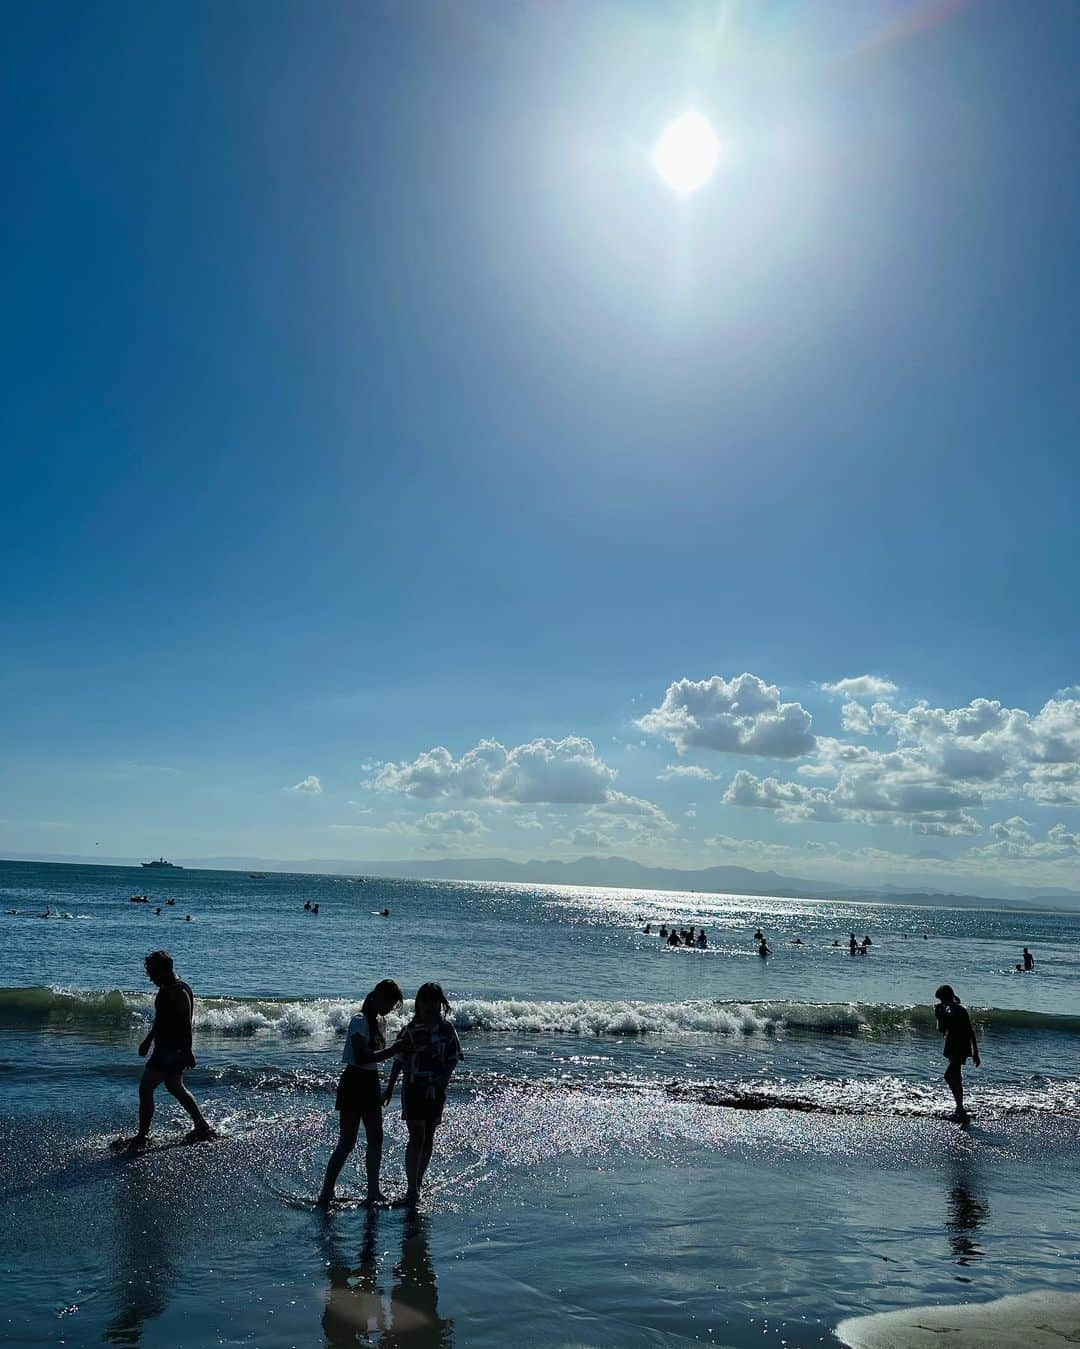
column 358, row 1026
column 430, row 1053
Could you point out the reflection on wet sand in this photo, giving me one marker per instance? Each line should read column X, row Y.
column 360, row 1311
column 967, row 1211
column 150, row 1234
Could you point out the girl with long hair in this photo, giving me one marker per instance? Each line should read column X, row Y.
column 359, row 1095
column 427, row 1051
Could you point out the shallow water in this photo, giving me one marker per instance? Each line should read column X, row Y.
column 642, row 1147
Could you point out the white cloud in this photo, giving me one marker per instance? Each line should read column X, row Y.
column 1014, row 841
column 565, row 771
column 856, row 718
column 618, row 803
column 861, row 686
column 451, row 822
column 589, row 838
column 1054, row 785
column 738, row 716
column 310, row 786
column 686, row 772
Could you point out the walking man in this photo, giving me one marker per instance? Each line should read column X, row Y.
column 170, row 1036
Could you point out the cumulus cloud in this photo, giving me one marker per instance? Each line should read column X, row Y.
column 309, row 786
column 738, row 716
column 589, row 838
column 618, row 803
column 945, row 762
column 1054, row 785
column 567, row 771
column 861, row 686
column 792, row 800
column 856, row 718
column 686, row 772
column 451, row 822
column 1014, row 841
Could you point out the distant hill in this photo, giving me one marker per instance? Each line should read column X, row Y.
column 618, row 872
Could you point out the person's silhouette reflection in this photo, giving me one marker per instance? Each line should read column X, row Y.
column 355, row 1310
column 358, row 1311
column 149, row 1234
column 966, row 1212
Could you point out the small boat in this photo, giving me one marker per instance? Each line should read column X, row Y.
column 161, row 863
column 257, row 875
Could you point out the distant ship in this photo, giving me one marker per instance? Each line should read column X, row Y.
column 257, row 875
column 172, row 866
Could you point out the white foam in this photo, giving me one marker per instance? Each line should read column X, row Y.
column 1034, row 1320
column 584, row 1017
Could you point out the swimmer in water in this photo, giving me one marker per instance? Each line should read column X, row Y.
column 960, row 1044
column 1029, row 960
column 307, row 905
column 673, row 938
column 763, row 948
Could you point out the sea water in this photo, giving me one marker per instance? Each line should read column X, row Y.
column 643, row 1145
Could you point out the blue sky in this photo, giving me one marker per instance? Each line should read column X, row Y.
column 368, row 393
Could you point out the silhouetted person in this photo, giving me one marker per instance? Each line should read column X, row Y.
column 170, row 1036
column 307, row 905
column 1029, row 960
column 763, row 948
column 853, row 945
column 428, row 1053
column 673, row 939
column 359, row 1094
column 663, row 929
column 702, row 940
column 960, row 1043
column 647, row 929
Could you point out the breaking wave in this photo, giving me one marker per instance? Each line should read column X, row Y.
column 301, row 1017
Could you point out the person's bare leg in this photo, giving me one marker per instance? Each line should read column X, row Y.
column 349, row 1128
column 425, row 1156
column 174, row 1085
column 414, row 1151
column 954, row 1075
column 148, row 1084
column 373, row 1130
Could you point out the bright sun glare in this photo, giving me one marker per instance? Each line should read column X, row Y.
column 686, row 154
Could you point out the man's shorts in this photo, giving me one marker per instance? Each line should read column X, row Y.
column 419, row 1103
column 359, row 1091
column 167, row 1061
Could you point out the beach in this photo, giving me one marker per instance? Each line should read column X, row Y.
column 642, row 1146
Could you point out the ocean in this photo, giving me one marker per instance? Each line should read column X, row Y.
column 643, row 1146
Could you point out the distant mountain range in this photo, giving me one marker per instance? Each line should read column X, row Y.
column 618, row 872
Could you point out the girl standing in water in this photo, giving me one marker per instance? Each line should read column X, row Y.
column 427, row 1052
column 359, row 1095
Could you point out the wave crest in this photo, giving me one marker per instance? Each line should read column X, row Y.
column 305, row 1017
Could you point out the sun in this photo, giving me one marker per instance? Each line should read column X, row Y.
column 686, row 154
